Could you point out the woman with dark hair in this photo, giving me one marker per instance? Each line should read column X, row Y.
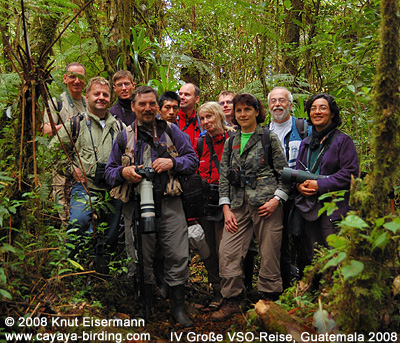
column 330, row 152
column 250, row 191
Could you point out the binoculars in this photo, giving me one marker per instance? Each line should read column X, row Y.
column 238, row 177
column 290, row 175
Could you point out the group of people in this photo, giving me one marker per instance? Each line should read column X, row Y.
column 246, row 203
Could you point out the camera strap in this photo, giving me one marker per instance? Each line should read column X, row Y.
column 154, row 143
column 213, row 155
column 328, row 142
column 89, row 126
column 190, row 122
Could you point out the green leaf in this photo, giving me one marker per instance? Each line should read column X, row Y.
column 330, row 207
column 297, row 22
column 334, row 261
column 334, row 195
column 5, row 294
column 76, row 264
column 7, row 247
column 393, row 226
column 352, row 270
column 351, row 88
column 380, row 241
column 65, row 270
column 353, row 221
column 336, row 241
column 287, row 4
column 379, row 222
column 3, row 277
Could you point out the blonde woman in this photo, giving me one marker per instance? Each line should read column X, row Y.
column 209, row 149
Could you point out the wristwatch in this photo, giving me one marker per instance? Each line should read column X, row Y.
column 277, row 198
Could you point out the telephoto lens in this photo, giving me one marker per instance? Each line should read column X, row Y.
column 290, row 175
column 147, row 209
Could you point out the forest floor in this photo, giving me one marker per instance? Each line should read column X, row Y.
column 67, row 302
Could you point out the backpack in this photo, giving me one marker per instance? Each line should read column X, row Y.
column 266, row 143
column 200, row 145
column 76, row 126
column 302, row 127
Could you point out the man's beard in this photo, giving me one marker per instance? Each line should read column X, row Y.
column 280, row 117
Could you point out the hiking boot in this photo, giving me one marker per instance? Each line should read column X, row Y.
column 216, row 301
column 163, row 291
column 177, row 302
column 229, row 307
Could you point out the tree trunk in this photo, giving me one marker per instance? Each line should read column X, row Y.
column 276, row 320
column 386, row 143
column 291, row 38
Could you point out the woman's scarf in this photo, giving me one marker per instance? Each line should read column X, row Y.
column 316, row 136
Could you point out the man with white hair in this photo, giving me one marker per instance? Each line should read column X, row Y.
column 291, row 131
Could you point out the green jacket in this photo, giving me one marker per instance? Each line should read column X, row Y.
column 252, row 159
column 102, row 141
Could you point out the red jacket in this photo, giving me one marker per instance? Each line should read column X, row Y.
column 193, row 129
column 204, row 166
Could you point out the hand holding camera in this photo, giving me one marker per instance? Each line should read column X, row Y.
column 129, row 173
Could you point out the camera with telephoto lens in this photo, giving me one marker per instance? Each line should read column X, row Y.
column 290, row 175
column 147, row 205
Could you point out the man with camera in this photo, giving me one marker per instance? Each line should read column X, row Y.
column 154, row 146
column 92, row 134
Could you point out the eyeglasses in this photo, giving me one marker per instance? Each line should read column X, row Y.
column 74, row 76
column 121, row 84
column 280, row 100
column 228, row 102
column 321, row 108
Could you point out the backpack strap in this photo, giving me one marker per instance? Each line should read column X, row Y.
column 230, row 145
column 200, row 143
column 266, row 142
column 59, row 105
column 75, row 126
column 126, row 147
column 302, row 127
column 213, row 155
column 119, row 124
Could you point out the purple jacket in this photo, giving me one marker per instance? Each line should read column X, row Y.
column 185, row 163
column 123, row 111
column 339, row 162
